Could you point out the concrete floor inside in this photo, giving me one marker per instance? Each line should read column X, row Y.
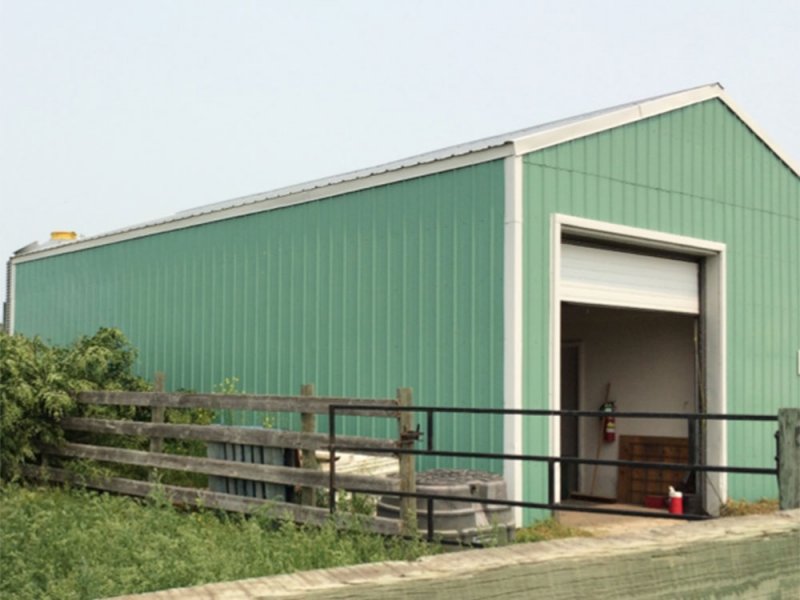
column 606, row 524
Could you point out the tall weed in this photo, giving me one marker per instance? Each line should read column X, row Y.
column 70, row 543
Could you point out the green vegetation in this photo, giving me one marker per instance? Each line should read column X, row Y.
column 549, row 529
column 38, row 384
column 740, row 508
column 73, row 543
column 61, row 543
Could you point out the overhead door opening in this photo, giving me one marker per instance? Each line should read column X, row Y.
column 634, row 314
column 646, row 311
column 642, row 361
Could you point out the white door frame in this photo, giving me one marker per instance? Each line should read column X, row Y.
column 713, row 312
column 512, row 331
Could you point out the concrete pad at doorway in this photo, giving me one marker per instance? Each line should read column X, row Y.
column 603, row 525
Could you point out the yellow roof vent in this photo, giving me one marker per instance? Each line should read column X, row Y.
column 63, row 236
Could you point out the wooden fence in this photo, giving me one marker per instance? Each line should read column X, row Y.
column 307, row 442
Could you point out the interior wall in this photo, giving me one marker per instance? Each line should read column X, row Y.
column 648, row 357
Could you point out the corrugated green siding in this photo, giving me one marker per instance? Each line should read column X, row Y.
column 399, row 285
column 697, row 172
column 402, row 284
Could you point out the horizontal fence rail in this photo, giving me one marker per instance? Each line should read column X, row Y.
column 539, row 505
column 581, row 461
column 409, row 444
column 340, row 444
column 225, row 433
column 204, row 498
column 565, row 413
column 301, row 482
column 308, row 404
column 221, row 468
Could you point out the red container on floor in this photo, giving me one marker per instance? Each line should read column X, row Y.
column 655, row 501
column 676, row 505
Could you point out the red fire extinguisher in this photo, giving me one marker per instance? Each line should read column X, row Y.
column 609, row 422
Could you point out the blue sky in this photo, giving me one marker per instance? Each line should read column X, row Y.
column 117, row 112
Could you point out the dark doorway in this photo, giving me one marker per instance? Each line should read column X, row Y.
column 570, row 400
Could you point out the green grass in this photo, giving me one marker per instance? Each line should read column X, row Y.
column 61, row 543
column 549, row 529
column 740, row 508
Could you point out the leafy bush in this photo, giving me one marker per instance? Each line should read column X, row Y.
column 38, row 384
column 35, row 393
column 57, row 543
column 103, row 361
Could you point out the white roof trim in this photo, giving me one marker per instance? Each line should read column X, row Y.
column 264, row 202
column 612, row 118
column 760, row 133
column 510, row 144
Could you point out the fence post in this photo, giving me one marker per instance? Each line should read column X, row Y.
column 157, row 416
column 408, row 481
column 308, row 423
column 789, row 457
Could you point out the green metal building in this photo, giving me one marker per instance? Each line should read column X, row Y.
column 653, row 246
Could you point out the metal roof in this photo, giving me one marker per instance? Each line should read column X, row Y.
column 516, row 142
column 418, row 159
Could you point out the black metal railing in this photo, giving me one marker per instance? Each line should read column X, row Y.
column 693, row 467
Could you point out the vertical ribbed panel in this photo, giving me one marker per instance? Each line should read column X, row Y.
column 399, row 285
column 402, row 284
column 697, row 172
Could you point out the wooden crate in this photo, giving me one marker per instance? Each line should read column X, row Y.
column 634, row 483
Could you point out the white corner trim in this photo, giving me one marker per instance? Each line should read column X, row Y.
column 610, row 120
column 716, row 377
column 512, row 325
column 554, row 396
